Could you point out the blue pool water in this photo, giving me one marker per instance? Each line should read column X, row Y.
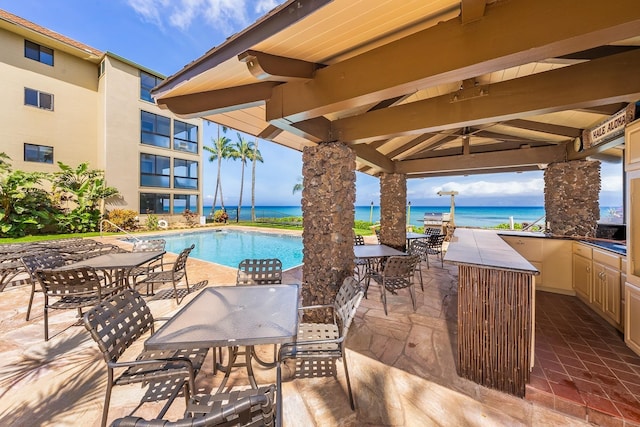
column 229, row 247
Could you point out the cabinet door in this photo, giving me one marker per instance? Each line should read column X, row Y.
column 632, row 317
column 611, row 290
column 597, row 286
column 582, row 277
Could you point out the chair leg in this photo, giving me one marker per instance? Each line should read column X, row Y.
column 46, row 321
column 384, row 298
column 107, row 397
column 346, row 374
column 412, row 292
column 33, row 291
column 279, row 393
column 420, row 273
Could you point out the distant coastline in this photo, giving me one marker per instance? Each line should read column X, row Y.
column 465, row 216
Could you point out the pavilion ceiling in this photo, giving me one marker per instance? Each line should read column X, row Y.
column 425, row 88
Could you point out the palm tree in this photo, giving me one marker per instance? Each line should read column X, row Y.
column 298, row 187
column 221, row 150
column 256, row 156
column 241, row 150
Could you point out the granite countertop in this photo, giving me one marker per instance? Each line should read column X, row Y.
column 485, row 248
column 619, row 247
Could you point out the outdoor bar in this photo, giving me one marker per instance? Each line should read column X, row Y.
column 496, row 310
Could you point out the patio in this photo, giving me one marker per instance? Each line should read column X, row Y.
column 405, row 360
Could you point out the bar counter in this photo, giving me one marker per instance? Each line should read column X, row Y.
column 496, row 310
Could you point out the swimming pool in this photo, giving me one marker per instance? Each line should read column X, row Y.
column 229, row 247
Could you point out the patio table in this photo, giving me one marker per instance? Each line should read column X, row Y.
column 121, row 263
column 375, row 251
column 411, row 236
column 229, row 316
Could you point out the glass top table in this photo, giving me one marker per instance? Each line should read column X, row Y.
column 229, row 316
column 375, row 251
column 116, row 261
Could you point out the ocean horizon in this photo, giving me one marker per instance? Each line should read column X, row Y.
column 465, row 216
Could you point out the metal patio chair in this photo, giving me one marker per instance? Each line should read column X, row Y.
column 321, row 340
column 117, row 322
column 173, row 275
column 420, row 248
column 150, row 245
column 397, row 274
column 74, row 288
column 246, row 408
column 435, row 247
column 43, row 261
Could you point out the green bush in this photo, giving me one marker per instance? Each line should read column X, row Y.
column 220, row 216
column 152, row 222
column 125, row 219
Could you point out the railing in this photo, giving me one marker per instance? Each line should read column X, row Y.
column 118, row 228
column 534, row 223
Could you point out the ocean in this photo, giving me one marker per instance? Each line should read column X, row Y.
column 465, row 216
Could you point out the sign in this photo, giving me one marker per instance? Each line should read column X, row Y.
column 610, row 128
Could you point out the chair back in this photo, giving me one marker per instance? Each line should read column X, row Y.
column 43, row 261
column 419, row 247
column 254, row 409
column 430, row 231
column 118, row 321
column 435, row 242
column 400, row 266
column 181, row 261
column 347, row 301
column 266, row 271
column 78, row 282
column 377, row 231
column 358, row 240
column 150, row 245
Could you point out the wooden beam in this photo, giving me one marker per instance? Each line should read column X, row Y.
column 451, row 52
column 315, row 130
column 544, row 127
column 264, row 66
column 269, row 133
column 370, row 157
column 218, row 101
column 606, row 80
column 432, row 174
column 472, row 10
column 484, row 161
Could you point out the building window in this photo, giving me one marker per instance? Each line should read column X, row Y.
column 38, row 53
column 185, row 137
column 38, row 99
column 155, row 130
column 155, row 171
column 148, row 82
column 38, row 153
column 185, row 174
column 101, row 68
column 154, row 203
column 182, row 202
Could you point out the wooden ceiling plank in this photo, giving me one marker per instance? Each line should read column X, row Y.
column 463, row 51
column 218, row 101
column 484, row 161
column 556, row 90
column 431, row 174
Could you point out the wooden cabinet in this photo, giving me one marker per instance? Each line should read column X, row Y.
column 552, row 258
column 632, row 317
column 582, row 277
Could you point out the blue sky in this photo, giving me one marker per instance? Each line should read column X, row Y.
column 165, row 35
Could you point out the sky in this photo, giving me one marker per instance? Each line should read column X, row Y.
column 165, row 35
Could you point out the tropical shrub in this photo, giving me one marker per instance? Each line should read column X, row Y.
column 191, row 218
column 220, row 216
column 126, row 219
column 24, row 207
column 152, row 222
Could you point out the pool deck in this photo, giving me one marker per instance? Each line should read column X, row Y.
column 402, row 367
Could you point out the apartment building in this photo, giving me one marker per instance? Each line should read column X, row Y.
column 64, row 101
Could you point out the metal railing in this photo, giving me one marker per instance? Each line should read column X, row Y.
column 118, row 228
column 534, row 223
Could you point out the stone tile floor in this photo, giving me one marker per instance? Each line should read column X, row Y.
column 402, row 368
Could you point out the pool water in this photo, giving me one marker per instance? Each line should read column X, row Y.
column 229, row 247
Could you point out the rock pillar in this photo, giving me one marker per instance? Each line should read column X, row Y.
column 393, row 214
column 572, row 190
column 328, row 197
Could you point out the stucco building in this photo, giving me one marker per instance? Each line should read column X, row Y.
column 64, row 101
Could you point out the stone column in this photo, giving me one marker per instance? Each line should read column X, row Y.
column 393, row 214
column 571, row 194
column 328, row 197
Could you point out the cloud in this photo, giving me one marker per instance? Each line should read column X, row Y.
column 487, row 188
column 225, row 16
